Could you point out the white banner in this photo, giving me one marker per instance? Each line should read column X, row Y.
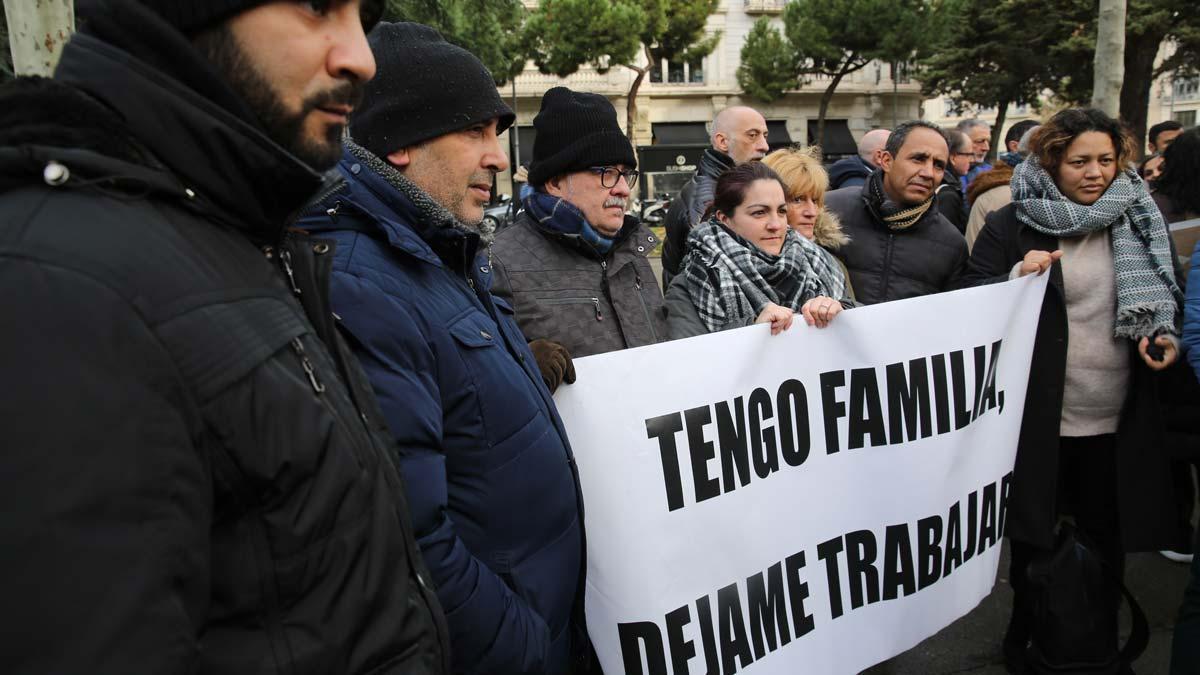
column 813, row 502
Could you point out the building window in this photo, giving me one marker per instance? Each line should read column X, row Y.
column 678, row 72
column 1187, row 118
column 1187, row 88
column 900, row 72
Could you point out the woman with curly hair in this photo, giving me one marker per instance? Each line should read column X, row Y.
column 1091, row 441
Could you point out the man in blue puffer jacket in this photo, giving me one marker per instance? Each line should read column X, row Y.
column 490, row 475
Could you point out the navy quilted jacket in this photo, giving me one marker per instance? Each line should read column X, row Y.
column 491, row 478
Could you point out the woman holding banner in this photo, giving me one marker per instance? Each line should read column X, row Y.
column 805, row 182
column 1091, row 439
column 745, row 265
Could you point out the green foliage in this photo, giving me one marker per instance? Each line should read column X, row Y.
column 993, row 54
column 562, row 35
column 766, row 70
column 489, row 29
column 827, row 37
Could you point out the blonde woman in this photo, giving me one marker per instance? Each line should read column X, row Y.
column 806, row 182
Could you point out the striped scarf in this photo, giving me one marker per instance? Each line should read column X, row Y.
column 731, row 280
column 1148, row 299
column 894, row 216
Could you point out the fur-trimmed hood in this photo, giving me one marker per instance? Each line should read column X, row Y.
column 1000, row 174
column 827, row 232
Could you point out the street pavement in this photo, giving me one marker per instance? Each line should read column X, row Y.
column 972, row 644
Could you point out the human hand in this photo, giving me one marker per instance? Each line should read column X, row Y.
column 1037, row 262
column 554, row 361
column 1169, row 353
column 780, row 318
column 820, row 310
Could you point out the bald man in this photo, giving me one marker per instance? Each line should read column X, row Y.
column 854, row 170
column 739, row 135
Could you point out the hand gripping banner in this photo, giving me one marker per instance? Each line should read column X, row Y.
column 812, row 502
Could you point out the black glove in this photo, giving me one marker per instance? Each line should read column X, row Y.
column 554, row 361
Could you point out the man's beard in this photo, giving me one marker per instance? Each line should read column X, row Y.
column 284, row 127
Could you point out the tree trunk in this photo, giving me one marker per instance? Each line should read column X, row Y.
column 997, row 128
column 1108, row 65
column 631, row 104
column 1140, row 52
column 37, row 32
column 847, row 67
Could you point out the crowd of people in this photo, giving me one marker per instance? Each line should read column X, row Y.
column 280, row 400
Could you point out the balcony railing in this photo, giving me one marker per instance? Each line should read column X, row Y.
column 765, row 6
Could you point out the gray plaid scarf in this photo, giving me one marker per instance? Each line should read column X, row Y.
column 731, row 280
column 1148, row 299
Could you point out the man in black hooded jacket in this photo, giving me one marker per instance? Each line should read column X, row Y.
column 195, row 477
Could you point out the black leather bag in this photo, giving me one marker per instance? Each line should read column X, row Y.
column 1074, row 627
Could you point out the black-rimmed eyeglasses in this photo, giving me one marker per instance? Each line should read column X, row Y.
column 609, row 175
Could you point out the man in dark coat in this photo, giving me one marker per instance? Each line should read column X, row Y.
column 194, row 475
column 574, row 265
column 853, row 171
column 900, row 246
column 495, row 499
column 739, row 135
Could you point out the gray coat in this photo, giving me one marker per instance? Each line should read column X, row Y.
column 564, row 291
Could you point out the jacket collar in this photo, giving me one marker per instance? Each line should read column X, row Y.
column 406, row 225
column 223, row 159
column 713, row 163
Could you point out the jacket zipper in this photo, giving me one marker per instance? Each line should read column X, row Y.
column 311, row 372
column 637, row 281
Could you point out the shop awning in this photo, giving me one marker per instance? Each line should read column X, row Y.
column 777, row 134
column 838, row 139
column 680, row 133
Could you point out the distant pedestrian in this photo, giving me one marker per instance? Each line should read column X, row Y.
column 854, row 170
column 951, row 201
column 1162, row 134
column 1012, row 156
column 990, row 190
column 739, row 135
column 900, row 246
column 980, row 133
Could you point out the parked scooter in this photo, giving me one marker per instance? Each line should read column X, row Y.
column 654, row 211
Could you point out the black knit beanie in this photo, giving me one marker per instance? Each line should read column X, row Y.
column 424, row 87
column 196, row 15
column 576, row 130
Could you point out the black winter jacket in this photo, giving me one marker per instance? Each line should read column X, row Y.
column 884, row 264
column 195, row 475
column 687, row 210
column 1149, row 520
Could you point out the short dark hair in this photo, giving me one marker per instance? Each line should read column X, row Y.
column 1049, row 143
column 1180, row 179
column 732, row 185
column 1169, row 125
column 901, row 132
column 1016, row 131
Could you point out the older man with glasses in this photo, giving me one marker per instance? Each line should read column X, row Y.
column 574, row 265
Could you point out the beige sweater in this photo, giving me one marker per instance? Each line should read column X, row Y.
column 984, row 204
column 1098, row 364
